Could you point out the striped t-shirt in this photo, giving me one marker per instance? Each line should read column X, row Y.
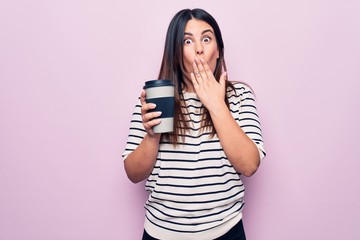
column 194, row 192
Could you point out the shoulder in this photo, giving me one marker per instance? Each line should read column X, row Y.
column 239, row 89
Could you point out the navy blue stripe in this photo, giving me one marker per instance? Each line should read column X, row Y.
column 247, row 105
column 263, row 152
column 129, row 149
column 196, row 177
column 250, row 126
column 195, row 186
column 244, row 119
column 191, row 106
column 133, row 143
column 193, row 169
column 193, row 99
column 248, row 112
column 188, row 152
column 240, row 94
column 192, row 114
column 200, row 202
column 247, row 99
column 194, row 144
column 244, row 112
column 135, row 136
column 198, row 194
column 136, row 121
column 139, row 129
column 195, row 129
column 190, row 136
column 234, row 103
column 192, row 121
column 253, row 133
column 189, row 160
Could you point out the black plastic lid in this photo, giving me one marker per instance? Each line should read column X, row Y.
column 158, row 83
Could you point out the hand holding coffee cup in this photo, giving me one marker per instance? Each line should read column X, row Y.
column 161, row 93
column 149, row 119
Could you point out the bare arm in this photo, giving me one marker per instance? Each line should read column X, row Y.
column 140, row 162
column 238, row 147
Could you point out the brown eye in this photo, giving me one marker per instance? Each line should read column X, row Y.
column 187, row 41
column 206, row 39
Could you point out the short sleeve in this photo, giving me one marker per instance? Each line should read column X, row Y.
column 136, row 131
column 243, row 108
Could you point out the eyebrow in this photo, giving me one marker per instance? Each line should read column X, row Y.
column 202, row 33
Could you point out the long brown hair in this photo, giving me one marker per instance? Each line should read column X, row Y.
column 172, row 67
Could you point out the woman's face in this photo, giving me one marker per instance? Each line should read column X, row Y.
column 199, row 42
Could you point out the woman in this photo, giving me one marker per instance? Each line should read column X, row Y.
column 193, row 173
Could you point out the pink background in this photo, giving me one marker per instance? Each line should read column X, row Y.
column 70, row 74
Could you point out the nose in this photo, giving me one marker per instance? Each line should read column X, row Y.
column 199, row 52
column 199, row 49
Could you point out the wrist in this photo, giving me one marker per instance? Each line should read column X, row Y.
column 218, row 110
column 153, row 138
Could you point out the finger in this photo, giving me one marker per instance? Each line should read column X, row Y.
column 150, row 120
column 150, row 124
column 196, row 71
column 145, row 107
column 153, row 123
column 194, row 81
column 150, row 116
column 206, row 67
column 150, row 130
column 201, row 69
column 142, row 97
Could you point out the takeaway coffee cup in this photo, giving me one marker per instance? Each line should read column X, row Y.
column 161, row 92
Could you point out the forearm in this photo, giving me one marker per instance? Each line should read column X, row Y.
column 140, row 163
column 240, row 150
